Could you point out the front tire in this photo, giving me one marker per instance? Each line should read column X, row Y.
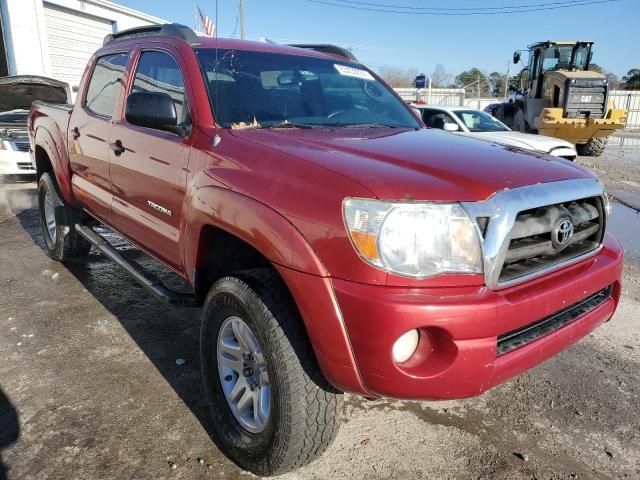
column 593, row 148
column 57, row 221
column 298, row 417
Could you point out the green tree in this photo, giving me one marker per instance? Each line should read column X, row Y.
column 497, row 83
column 632, row 79
column 469, row 81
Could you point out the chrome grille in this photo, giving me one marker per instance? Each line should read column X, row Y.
column 22, row 146
column 532, row 245
column 26, row 166
column 504, row 207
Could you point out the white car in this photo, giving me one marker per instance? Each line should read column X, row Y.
column 16, row 95
column 478, row 124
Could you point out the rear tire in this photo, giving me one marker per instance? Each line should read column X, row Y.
column 593, row 148
column 304, row 410
column 57, row 221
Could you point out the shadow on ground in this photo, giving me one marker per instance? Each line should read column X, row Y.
column 9, row 429
column 162, row 332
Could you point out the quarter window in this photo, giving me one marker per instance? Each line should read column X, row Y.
column 105, row 86
column 159, row 72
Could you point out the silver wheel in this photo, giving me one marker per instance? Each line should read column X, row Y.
column 50, row 216
column 243, row 375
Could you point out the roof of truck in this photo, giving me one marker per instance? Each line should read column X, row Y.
column 180, row 33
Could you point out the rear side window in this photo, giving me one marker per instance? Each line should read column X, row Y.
column 105, row 86
column 159, row 72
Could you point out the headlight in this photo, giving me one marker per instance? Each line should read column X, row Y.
column 415, row 240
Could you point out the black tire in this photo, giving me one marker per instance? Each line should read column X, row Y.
column 67, row 244
column 593, row 148
column 305, row 410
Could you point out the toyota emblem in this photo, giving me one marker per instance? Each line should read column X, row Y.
column 562, row 233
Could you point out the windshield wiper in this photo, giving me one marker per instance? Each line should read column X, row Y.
column 288, row 124
column 368, row 125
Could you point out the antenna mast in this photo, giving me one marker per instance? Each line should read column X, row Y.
column 242, row 19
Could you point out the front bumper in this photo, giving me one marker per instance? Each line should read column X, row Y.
column 16, row 163
column 462, row 325
column 579, row 130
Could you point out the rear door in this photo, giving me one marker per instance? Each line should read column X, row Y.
column 89, row 134
column 149, row 176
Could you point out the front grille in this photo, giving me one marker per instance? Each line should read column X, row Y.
column 534, row 240
column 22, row 146
column 509, row 341
column 586, row 100
column 26, row 166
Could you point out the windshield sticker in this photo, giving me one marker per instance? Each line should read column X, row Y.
column 353, row 72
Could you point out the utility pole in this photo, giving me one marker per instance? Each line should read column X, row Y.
column 506, row 81
column 478, row 91
column 242, row 19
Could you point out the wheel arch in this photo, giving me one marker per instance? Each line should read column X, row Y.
column 259, row 236
column 52, row 157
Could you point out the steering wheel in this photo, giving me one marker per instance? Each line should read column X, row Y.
column 372, row 90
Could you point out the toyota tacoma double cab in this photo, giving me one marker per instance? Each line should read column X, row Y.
column 334, row 243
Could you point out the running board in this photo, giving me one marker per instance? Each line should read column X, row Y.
column 145, row 278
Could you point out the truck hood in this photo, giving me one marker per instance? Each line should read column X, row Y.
column 421, row 164
column 523, row 140
column 17, row 93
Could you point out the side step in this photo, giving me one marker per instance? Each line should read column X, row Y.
column 142, row 276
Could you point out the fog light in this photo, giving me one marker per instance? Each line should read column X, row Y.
column 405, row 346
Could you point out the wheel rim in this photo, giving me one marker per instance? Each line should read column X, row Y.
column 243, row 375
column 50, row 216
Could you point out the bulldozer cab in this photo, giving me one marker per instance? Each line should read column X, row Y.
column 552, row 56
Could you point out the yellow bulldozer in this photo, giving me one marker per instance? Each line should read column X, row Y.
column 558, row 96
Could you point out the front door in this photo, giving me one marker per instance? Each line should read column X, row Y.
column 89, row 134
column 148, row 169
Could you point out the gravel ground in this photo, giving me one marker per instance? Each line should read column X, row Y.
column 90, row 386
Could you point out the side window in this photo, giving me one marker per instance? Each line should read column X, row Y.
column 159, row 72
column 437, row 119
column 105, row 86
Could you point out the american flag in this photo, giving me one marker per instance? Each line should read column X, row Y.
column 209, row 26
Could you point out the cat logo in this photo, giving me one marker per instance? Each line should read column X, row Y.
column 585, row 98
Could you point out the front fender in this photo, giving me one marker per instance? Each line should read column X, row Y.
column 284, row 246
column 251, row 221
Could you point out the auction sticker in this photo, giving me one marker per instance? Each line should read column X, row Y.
column 353, row 72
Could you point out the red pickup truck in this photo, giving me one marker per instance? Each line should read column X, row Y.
column 334, row 243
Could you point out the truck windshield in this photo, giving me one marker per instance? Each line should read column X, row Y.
column 251, row 89
column 558, row 57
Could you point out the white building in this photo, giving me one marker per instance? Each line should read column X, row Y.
column 55, row 38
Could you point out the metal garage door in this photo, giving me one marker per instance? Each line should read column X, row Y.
column 72, row 37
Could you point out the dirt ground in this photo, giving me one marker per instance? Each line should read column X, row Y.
column 92, row 384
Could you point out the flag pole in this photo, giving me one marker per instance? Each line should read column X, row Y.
column 195, row 16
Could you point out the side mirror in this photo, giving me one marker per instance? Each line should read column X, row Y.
column 516, row 57
column 451, row 127
column 152, row 110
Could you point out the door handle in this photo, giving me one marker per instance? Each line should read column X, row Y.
column 75, row 133
column 117, row 148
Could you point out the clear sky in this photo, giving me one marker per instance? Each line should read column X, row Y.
column 422, row 41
